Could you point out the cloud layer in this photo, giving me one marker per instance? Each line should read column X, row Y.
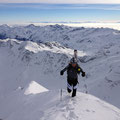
column 63, row 6
column 61, row 1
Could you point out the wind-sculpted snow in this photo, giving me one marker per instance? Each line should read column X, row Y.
column 34, row 88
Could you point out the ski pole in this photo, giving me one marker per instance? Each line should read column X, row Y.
column 86, row 89
column 61, row 92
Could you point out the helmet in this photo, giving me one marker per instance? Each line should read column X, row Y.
column 73, row 61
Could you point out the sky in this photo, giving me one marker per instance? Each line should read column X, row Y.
column 15, row 13
column 62, row 1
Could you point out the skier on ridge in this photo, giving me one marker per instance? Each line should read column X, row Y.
column 73, row 69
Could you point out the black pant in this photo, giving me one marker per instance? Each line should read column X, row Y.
column 72, row 85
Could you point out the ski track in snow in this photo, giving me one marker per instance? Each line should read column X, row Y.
column 65, row 107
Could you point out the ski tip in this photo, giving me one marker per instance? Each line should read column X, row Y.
column 75, row 50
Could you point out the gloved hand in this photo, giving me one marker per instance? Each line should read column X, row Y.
column 83, row 74
column 61, row 72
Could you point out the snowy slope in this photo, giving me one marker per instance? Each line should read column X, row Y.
column 22, row 62
column 48, row 106
column 34, row 88
column 25, row 61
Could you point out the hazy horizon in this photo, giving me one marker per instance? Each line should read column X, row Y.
column 86, row 25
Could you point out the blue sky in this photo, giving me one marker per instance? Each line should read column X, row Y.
column 63, row 1
column 39, row 12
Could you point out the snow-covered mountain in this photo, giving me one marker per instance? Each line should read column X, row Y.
column 48, row 105
column 40, row 58
column 84, row 39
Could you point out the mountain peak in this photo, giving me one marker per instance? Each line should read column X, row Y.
column 31, row 26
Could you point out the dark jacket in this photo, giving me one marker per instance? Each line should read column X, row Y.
column 72, row 72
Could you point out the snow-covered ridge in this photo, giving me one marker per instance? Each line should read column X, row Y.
column 34, row 47
column 48, row 105
column 34, row 88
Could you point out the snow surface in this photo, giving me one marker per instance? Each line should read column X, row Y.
column 30, row 62
column 48, row 106
column 34, row 88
